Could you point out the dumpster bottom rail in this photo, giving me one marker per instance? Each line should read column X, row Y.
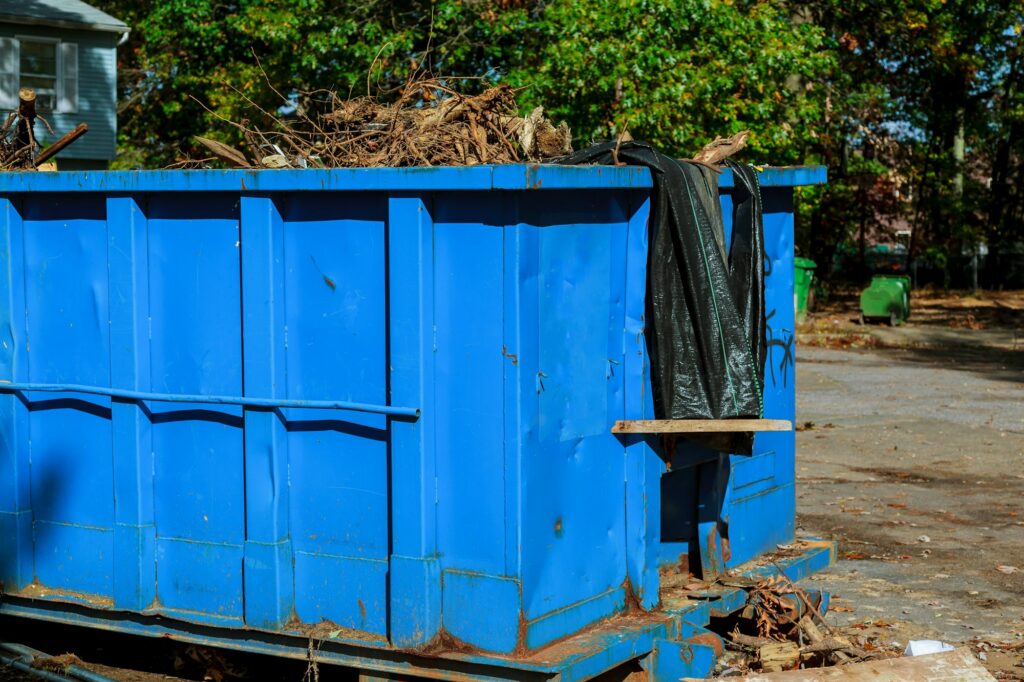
column 669, row 643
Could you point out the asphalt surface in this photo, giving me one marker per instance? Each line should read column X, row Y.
column 913, row 459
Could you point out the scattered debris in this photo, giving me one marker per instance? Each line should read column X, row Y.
column 428, row 124
column 56, row 663
column 1008, row 570
column 721, row 148
column 18, row 142
column 782, row 632
column 959, row 664
column 778, row 656
column 924, row 647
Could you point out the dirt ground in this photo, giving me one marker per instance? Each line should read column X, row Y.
column 910, row 449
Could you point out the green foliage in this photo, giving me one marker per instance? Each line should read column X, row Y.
column 191, row 64
column 881, row 93
column 680, row 72
column 676, row 73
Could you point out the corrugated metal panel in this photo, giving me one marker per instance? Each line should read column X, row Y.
column 498, row 314
column 488, row 322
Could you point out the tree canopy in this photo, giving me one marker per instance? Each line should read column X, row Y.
column 915, row 106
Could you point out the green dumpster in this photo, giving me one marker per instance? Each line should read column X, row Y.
column 886, row 298
column 803, row 275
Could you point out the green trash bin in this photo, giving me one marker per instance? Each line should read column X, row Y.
column 887, row 298
column 803, row 275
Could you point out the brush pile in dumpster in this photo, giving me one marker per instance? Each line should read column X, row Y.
column 428, row 124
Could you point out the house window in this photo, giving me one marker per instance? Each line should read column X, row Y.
column 50, row 67
column 38, row 70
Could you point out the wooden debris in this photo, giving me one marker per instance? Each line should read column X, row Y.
column 778, row 656
column 59, row 145
column 18, row 142
column 427, row 124
column 959, row 665
column 721, row 148
column 225, row 153
column 748, row 641
column 26, row 135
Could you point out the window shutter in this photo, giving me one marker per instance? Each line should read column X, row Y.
column 8, row 73
column 68, row 88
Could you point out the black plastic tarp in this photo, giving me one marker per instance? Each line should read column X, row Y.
column 705, row 317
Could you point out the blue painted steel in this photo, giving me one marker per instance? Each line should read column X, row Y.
column 674, row 660
column 394, row 391
column 388, row 180
column 580, row 657
column 211, row 399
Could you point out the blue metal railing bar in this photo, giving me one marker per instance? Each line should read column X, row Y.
column 394, row 411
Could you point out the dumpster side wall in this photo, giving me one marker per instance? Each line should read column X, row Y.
column 499, row 315
column 467, row 341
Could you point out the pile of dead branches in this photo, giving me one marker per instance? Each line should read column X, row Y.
column 17, row 136
column 790, row 631
column 19, row 148
column 427, row 124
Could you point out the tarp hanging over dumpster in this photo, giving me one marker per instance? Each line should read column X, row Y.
column 705, row 299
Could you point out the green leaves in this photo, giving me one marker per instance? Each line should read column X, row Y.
column 676, row 73
column 877, row 91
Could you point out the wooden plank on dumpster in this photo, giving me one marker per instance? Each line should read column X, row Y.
column 700, row 425
column 959, row 665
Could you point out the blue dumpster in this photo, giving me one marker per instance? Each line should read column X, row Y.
column 368, row 406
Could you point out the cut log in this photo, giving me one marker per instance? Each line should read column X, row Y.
column 25, row 134
column 779, row 656
column 700, row 425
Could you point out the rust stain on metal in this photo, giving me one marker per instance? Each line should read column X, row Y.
column 36, row 590
column 362, row 609
column 511, row 356
column 521, row 632
column 684, row 563
column 631, row 603
column 708, row 639
column 713, row 547
column 587, row 640
column 558, row 527
column 444, row 643
column 330, row 282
